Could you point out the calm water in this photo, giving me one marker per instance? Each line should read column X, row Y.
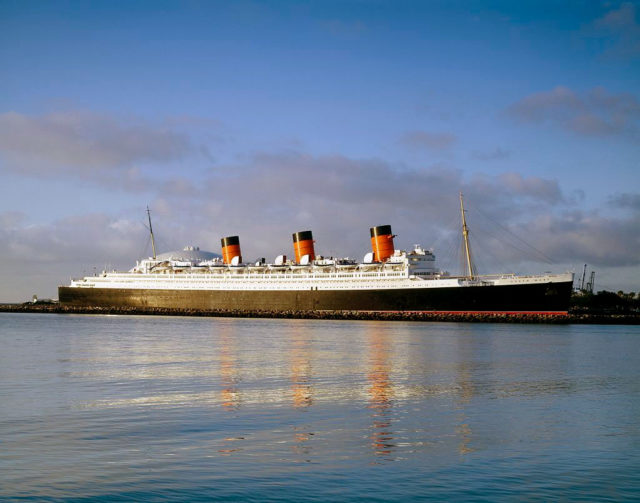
column 131, row 408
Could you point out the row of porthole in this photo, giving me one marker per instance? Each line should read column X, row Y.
column 273, row 276
column 237, row 279
column 248, row 283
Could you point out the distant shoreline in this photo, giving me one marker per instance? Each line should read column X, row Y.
column 505, row 317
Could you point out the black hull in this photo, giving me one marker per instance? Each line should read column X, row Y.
column 541, row 297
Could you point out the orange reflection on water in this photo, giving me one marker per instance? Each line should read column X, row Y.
column 300, row 356
column 380, row 392
column 301, row 443
column 228, row 370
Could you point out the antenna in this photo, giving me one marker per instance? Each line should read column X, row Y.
column 465, row 235
column 153, row 242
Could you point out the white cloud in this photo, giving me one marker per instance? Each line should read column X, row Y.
column 589, row 236
column 533, row 187
column 626, row 200
column 84, row 143
column 498, row 154
column 622, row 26
column 595, row 113
column 428, row 140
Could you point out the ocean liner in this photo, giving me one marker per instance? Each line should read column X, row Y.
column 386, row 280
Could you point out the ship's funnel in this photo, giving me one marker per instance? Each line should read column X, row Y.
column 230, row 249
column 303, row 245
column 381, row 242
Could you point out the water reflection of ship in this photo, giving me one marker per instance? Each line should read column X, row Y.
column 380, row 392
column 228, row 369
column 301, row 372
column 302, row 390
column 466, row 392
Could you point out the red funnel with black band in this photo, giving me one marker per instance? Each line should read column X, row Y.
column 230, row 249
column 381, row 242
column 303, row 245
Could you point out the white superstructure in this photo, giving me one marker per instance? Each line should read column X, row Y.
column 206, row 271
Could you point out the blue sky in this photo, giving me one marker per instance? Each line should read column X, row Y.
column 265, row 118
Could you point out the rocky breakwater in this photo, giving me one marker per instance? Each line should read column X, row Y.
column 474, row 317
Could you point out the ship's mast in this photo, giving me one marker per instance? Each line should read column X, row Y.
column 465, row 236
column 153, row 242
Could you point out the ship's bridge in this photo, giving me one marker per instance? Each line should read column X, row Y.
column 421, row 262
